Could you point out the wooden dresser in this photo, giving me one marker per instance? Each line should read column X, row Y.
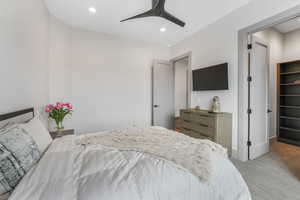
column 202, row 124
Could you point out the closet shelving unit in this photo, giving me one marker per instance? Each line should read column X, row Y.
column 288, row 92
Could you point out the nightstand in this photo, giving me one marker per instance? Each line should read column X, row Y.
column 59, row 134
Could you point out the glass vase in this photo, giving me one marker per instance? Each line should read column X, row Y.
column 59, row 126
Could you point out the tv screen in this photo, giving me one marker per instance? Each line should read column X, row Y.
column 211, row 78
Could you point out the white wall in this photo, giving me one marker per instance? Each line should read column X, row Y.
column 111, row 81
column 60, row 84
column 59, row 61
column 108, row 79
column 181, row 88
column 275, row 40
column 291, row 49
column 218, row 43
column 43, row 60
column 24, row 78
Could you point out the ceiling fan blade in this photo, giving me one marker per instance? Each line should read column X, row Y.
column 145, row 14
column 173, row 19
column 161, row 3
column 155, row 3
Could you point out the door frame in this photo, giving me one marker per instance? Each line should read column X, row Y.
column 243, row 42
column 187, row 55
column 258, row 148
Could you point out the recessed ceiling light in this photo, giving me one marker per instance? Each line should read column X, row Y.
column 163, row 29
column 92, row 10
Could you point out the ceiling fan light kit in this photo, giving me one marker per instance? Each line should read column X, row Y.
column 158, row 10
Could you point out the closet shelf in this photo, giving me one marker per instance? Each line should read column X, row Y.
column 287, row 117
column 289, row 129
column 290, row 95
column 290, row 73
column 289, row 84
column 296, row 107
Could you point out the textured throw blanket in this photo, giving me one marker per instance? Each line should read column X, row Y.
column 183, row 151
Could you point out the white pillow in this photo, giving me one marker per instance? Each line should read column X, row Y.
column 39, row 133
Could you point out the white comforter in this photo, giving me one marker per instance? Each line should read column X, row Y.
column 71, row 172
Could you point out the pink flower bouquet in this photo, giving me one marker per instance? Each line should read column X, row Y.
column 58, row 112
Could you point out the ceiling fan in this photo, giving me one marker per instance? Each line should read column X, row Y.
column 158, row 10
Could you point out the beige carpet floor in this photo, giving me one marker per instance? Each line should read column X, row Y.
column 275, row 176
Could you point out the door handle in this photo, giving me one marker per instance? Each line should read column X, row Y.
column 269, row 111
column 155, row 106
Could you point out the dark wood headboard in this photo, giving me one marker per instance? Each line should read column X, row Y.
column 16, row 114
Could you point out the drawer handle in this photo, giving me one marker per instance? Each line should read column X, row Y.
column 202, row 134
column 204, row 125
column 187, row 129
column 203, row 115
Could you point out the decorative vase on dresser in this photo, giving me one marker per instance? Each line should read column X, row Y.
column 202, row 124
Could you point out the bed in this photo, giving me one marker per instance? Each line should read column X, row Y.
column 68, row 171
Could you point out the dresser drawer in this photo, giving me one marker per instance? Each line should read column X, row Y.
column 203, row 119
column 184, row 115
column 199, row 127
column 194, row 134
column 203, row 124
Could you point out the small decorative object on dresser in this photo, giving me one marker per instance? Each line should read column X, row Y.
column 216, row 107
column 61, row 133
column 202, row 124
column 58, row 112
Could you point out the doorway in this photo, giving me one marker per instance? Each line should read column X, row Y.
column 181, row 94
column 259, row 115
column 171, row 90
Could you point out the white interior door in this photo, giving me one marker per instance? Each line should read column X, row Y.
column 163, row 94
column 260, row 122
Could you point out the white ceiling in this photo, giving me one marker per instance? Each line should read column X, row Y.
column 288, row 26
column 196, row 13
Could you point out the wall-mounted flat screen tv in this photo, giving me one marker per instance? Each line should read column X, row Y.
column 211, row 78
